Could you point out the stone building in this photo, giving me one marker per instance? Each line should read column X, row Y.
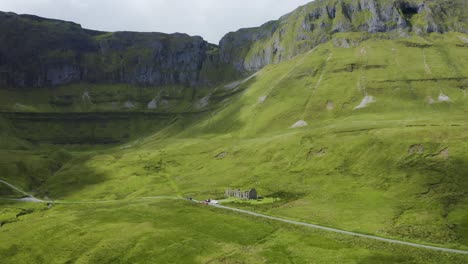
column 246, row 195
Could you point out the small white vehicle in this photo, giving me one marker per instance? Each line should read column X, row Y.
column 214, row 202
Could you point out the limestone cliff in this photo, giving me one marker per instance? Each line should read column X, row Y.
column 317, row 22
column 39, row 52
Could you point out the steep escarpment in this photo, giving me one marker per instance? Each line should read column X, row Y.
column 39, row 52
column 317, row 22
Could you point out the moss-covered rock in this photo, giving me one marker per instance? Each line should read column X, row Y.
column 317, row 22
column 39, row 52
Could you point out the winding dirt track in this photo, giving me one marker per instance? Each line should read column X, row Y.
column 31, row 198
column 14, row 188
column 329, row 229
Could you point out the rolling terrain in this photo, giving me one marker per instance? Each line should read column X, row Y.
column 364, row 130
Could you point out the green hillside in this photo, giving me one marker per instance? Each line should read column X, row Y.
column 365, row 132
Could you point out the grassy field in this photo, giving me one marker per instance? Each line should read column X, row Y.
column 395, row 167
column 180, row 232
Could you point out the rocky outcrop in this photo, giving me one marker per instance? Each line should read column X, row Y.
column 151, row 58
column 39, row 52
column 318, row 22
column 235, row 46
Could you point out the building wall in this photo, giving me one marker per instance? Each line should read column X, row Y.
column 252, row 194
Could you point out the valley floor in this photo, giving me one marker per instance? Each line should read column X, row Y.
column 165, row 231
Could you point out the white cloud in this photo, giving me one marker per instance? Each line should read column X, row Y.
column 208, row 18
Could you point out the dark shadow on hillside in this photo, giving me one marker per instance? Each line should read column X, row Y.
column 73, row 177
column 224, row 102
column 85, row 128
column 45, row 174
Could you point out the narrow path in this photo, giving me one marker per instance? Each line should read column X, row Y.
column 31, row 198
column 288, row 73
column 329, row 229
column 15, row 188
column 427, row 69
column 316, row 86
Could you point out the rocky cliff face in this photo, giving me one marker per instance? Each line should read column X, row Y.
column 148, row 59
column 38, row 52
column 317, row 22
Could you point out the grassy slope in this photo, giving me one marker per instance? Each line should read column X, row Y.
column 178, row 232
column 349, row 168
column 304, row 28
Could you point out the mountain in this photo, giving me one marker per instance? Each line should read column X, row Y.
column 345, row 114
column 59, row 52
column 317, row 22
column 39, row 52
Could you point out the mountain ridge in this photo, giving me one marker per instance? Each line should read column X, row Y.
column 316, row 23
column 158, row 59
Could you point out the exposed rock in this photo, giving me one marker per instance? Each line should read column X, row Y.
column 445, row 153
column 232, row 85
column 463, row 39
column 319, row 21
column 63, row 74
column 235, row 46
column 202, row 103
column 19, row 106
column 164, row 103
column 236, row 84
column 129, row 105
column 344, row 43
column 153, row 104
column 330, row 105
column 416, row 149
column 300, row 123
column 316, row 153
column 85, row 97
column 221, row 155
column 262, row 99
column 55, row 52
column 430, row 100
column 365, row 102
column 443, row 98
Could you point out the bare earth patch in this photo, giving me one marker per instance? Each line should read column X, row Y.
column 86, row 97
column 365, row 102
column 416, row 149
column 316, row 153
column 463, row 39
column 221, row 155
column 262, row 99
column 444, row 98
column 129, row 104
column 205, row 101
column 430, row 100
column 330, row 105
column 153, row 104
column 300, row 123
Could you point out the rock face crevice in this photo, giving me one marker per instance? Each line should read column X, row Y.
column 317, row 22
column 39, row 52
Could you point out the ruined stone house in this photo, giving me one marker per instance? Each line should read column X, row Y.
column 246, row 195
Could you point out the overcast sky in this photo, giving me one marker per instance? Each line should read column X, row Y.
column 210, row 19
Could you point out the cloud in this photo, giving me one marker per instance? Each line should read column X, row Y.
column 208, row 18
